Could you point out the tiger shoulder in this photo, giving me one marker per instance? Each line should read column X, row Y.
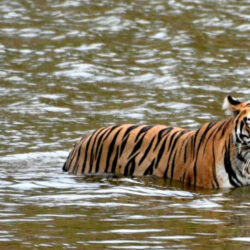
column 217, row 155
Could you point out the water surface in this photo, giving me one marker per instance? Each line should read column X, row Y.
column 69, row 67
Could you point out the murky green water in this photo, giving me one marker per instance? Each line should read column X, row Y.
column 69, row 67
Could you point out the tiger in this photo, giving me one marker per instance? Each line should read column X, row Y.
column 216, row 155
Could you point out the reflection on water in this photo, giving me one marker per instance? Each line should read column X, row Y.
column 41, row 206
column 69, row 67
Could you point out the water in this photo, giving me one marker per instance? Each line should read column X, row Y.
column 69, row 67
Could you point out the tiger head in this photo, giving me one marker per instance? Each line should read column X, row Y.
column 241, row 133
column 241, row 112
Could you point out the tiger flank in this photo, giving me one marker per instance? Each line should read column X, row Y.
column 217, row 155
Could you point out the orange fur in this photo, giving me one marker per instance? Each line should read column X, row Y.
column 205, row 157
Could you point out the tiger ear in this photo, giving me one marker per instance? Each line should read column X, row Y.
column 231, row 106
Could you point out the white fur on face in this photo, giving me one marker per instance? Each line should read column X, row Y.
column 248, row 120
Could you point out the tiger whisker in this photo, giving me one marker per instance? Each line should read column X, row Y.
column 246, row 168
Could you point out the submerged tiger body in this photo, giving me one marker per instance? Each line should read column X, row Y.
column 216, row 155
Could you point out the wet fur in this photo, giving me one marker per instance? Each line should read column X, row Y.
column 208, row 157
